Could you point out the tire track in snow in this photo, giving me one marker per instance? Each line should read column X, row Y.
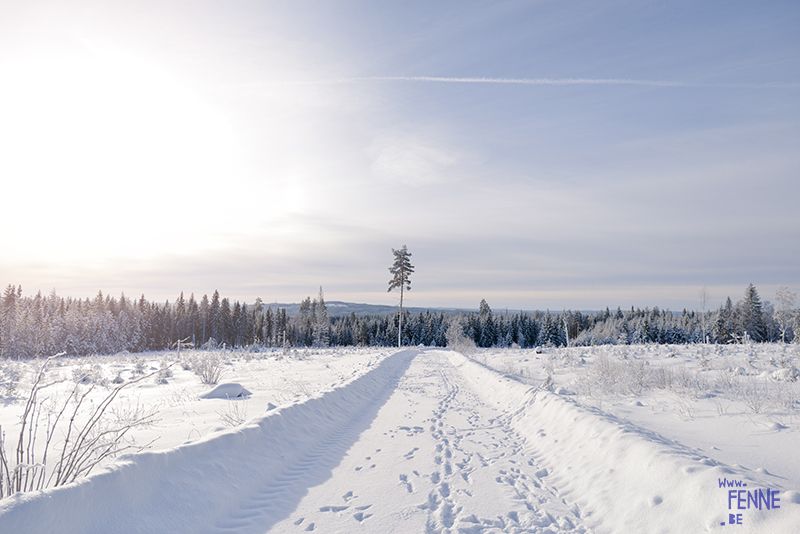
column 474, row 444
column 276, row 497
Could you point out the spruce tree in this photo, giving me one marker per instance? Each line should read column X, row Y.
column 752, row 319
column 214, row 317
column 723, row 327
column 321, row 322
column 487, row 328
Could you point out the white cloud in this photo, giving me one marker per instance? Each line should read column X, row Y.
column 413, row 160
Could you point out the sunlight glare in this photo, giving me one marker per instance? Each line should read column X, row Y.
column 108, row 152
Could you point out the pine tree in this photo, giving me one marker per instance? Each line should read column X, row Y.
column 401, row 271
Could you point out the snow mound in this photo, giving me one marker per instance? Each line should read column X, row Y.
column 229, row 390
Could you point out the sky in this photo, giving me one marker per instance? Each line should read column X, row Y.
column 535, row 154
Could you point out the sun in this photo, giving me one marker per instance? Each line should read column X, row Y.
column 104, row 151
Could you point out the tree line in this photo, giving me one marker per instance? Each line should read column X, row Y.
column 43, row 325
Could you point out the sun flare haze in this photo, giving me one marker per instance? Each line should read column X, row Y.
column 538, row 155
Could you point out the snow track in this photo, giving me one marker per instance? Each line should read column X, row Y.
column 425, row 441
column 434, row 460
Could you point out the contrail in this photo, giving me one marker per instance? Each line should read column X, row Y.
column 533, row 81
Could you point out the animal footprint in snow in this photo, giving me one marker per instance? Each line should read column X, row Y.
column 333, row 508
column 361, row 516
column 347, row 496
column 404, row 481
column 410, row 454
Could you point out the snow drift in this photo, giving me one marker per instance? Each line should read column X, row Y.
column 628, row 479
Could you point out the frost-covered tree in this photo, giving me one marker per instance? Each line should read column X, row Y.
column 796, row 326
column 225, row 321
column 321, row 322
column 752, row 316
column 704, row 295
column 214, row 318
column 784, row 315
column 723, row 327
column 401, row 271
column 203, row 317
column 487, row 328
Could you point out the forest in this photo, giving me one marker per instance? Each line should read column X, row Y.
column 41, row 325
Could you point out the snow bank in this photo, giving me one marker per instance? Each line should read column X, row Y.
column 186, row 488
column 626, row 479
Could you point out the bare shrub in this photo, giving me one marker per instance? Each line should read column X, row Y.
column 89, row 374
column 300, row 386
column 786, row 395
column 236, row 413
column 661, row 377
column 208, row 366
column 754, row 396
column 164, row 372
column 684, row 409
column 85, row 443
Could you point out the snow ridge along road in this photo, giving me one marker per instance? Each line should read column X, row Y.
column 190, row 487
column 628, row 479
column 425, row 441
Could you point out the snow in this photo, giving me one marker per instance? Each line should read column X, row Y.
column 229, row 390
column 430, row 440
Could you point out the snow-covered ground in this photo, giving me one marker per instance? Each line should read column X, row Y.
column 602, row 439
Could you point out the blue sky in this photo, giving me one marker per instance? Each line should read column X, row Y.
column 535, row 154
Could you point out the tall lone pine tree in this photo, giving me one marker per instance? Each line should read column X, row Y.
column 401, row 270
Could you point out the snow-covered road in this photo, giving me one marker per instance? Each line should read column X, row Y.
column 433, row 457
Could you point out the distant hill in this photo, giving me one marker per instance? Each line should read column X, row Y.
column 336, row 307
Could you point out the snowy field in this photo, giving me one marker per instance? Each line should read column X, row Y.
column 603, row 439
